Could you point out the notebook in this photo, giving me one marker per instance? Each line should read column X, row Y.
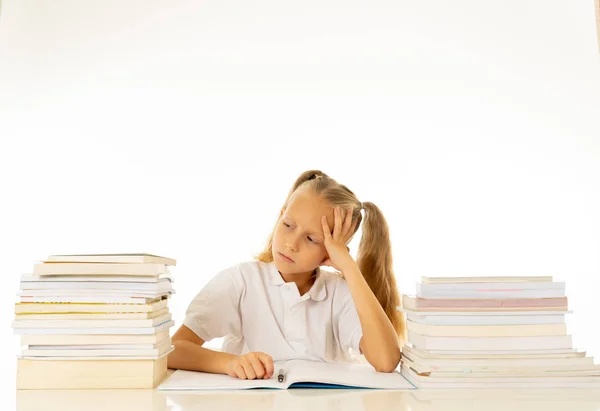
column 297, row 374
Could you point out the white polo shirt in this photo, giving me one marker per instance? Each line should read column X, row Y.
column 256, row 310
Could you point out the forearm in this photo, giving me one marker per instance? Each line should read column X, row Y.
column 190, row 356
column 380, row 344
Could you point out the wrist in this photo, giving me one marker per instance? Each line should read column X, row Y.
column 224, row 359
column 348, row 266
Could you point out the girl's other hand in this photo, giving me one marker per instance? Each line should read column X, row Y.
column 338, row 253
column 251, row 366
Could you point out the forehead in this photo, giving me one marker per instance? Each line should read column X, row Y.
column 308, row 207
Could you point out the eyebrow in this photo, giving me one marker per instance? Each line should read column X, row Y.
column 313, row 232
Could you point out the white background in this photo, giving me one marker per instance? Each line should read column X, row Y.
column 177, row 128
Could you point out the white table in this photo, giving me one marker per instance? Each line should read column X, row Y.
column 568, row 399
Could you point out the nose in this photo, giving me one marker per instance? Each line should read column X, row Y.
column 292, row 242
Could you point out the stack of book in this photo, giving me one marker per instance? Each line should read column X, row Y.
column 492, row 332
column 94, row 321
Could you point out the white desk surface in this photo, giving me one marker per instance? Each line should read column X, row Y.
column 568, row 399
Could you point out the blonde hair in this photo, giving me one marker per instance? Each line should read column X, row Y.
column 374, row 257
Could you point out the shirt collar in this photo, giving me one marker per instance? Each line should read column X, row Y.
column 317, row 292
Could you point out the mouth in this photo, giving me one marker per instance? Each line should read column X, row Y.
column 285, row 257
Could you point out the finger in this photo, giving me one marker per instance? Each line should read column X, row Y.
column 352, row 229
column 257, row 367
column 239, row 371
column 337, row 223
column 267, row 360
column 326, row 229
column 347, row 223
column 248, row 370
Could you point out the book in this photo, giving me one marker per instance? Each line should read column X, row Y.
column 146, row 269
column 112, row 330
column 499, row 371
column 160, row 285
column 500, row 293
column 489, row 343
column 70, row 323
column 46, row 374
column 465, row 381
column 43, row 351
column 486, row 330
column 92, row 316
column 487, row 286
column 26, row 278
column 297, row 373
column 501, row 279
column 111, row 258
column 93, row 339
column 93, row 293
column 501, row 354
column 89, row 299
column 67, row 347
column 423, row 365
column 486, row 318
column 481, row 304
column 69, row 307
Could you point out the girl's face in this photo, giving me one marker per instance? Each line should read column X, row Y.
column 299, row 233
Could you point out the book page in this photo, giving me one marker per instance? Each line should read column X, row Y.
column 347, row 374
column 194, row 380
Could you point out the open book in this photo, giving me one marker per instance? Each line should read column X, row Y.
column 297, row 374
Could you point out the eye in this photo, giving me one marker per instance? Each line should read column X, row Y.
column 287, row 225
column 311, row 240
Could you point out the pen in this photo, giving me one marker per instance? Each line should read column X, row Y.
column 281, row 376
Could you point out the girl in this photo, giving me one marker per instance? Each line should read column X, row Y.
column 282, row 306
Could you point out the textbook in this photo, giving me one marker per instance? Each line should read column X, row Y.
column 484, row 304
column 501, row 279
column 145, row 269
column 111, row 258
column 93, row 373
column 295, row 374
column 70, row 307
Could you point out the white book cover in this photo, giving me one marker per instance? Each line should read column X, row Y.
column 89, row 299
column 485, row 279
column 93, row 293
column 92, row 331
column 94, row 339
column 489, row 343
column 150, row 322
column 108, row 352
column 527, row 330
column 570, row 370
column 482, row 320
column 100, row 269
column 515, row 293
column 484, row 287
column 498, row 354
column 507, row 382
column 26, row 278
column 162, row 284
column 94, row 358
column 66, row 347
column 93, row 316
column 489, row 313
column 297, row 373
column 496, row 363
column 112, row 258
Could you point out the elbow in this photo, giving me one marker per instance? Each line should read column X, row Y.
column 389, row 364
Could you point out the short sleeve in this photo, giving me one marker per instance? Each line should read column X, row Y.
column 214, row 311
column 349, row 328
